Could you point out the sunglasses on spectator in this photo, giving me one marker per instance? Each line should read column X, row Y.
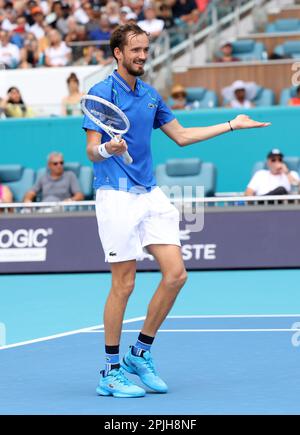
column 179, row 95
column 276, row 159
column 57, row 163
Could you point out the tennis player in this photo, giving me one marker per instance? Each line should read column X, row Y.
column 133, row 214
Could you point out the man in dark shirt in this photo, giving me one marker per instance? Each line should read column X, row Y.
column 186, row 10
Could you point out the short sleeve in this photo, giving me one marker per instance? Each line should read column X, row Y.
column 37, row 187
column 98, row 91
column 253, row 183
column 74, row 184
column 163, row 114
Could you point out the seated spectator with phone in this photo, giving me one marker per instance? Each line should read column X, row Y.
column 276, row 180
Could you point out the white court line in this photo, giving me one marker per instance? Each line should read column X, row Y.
column 207, row 330
column 64, row 334
column 136, row 319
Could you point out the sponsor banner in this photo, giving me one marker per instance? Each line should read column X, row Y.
column 228, row 240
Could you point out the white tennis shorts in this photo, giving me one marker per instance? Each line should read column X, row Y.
column 128, row 222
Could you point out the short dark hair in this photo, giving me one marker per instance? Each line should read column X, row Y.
column 119, row 36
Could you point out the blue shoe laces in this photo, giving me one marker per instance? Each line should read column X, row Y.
column 150, row 365
column 119, row 376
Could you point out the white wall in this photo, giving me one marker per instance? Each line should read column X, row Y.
column 43, row 88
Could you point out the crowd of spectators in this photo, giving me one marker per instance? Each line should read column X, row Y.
column 62, row 32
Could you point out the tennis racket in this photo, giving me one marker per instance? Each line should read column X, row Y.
column 108, row 117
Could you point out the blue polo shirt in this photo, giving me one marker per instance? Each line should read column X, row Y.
column 145, row 110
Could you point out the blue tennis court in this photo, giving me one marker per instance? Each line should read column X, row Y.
column 229, row 346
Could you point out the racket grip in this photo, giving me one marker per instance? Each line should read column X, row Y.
column 127, row 158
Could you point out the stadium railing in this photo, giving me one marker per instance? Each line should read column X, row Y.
column 9, row 209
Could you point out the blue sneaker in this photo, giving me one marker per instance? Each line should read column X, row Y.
column 116, row 384
column 143, row 366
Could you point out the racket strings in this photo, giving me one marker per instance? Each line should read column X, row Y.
column 106, row 115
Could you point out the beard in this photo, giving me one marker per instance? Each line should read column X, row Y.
column 132, row 71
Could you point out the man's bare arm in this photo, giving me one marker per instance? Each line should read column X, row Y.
column 186, row 136
column 249, row 192
column 29, row 196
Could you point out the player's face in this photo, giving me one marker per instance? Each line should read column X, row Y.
column 135, row 54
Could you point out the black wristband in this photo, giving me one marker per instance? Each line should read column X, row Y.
column 230, row 126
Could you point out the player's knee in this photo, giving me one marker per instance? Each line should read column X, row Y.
column 123, row 288
column 175, row 280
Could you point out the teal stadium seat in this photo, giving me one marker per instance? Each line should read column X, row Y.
column 264, row 97
column 286, row 94
column 187, row 172
column 18, row 178
column 199, row 97
column 290, row 49
column 293, row 163
column 283, row 25
column 83, row 173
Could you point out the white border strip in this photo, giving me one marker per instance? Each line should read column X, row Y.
column 64, row 334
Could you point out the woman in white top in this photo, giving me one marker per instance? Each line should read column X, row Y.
column 239, row 94
column 58, row 53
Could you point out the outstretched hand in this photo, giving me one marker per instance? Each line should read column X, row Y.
column 244, row 121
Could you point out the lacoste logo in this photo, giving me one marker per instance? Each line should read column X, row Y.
column 112, row 254
column 111, row 386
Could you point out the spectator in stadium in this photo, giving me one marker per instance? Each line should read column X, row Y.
column 112, row 10
column 71, row 103
column 84, row 14
column 58, row 53
column 9, row 53
column 103, row 31
column 137, row 7
column 61, row 11
column 9, row 20
column 240, row 94
column 151, row 24
column 6, row 195
column 226, row 49
column 185, row 10
column 295, row 101
column 94, row 56
column 30, row 52
column 76, row 33
column 20, row 31
column 127, row 14
column 178, row 94
column 38, row 28
column 276, row 180
column 165, row 14
column 180, row 102
column 57, row 184
column 13, row 105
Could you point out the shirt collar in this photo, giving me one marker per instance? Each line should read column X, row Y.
column 123, row 83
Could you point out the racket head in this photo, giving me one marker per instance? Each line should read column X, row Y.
column 105, row 114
